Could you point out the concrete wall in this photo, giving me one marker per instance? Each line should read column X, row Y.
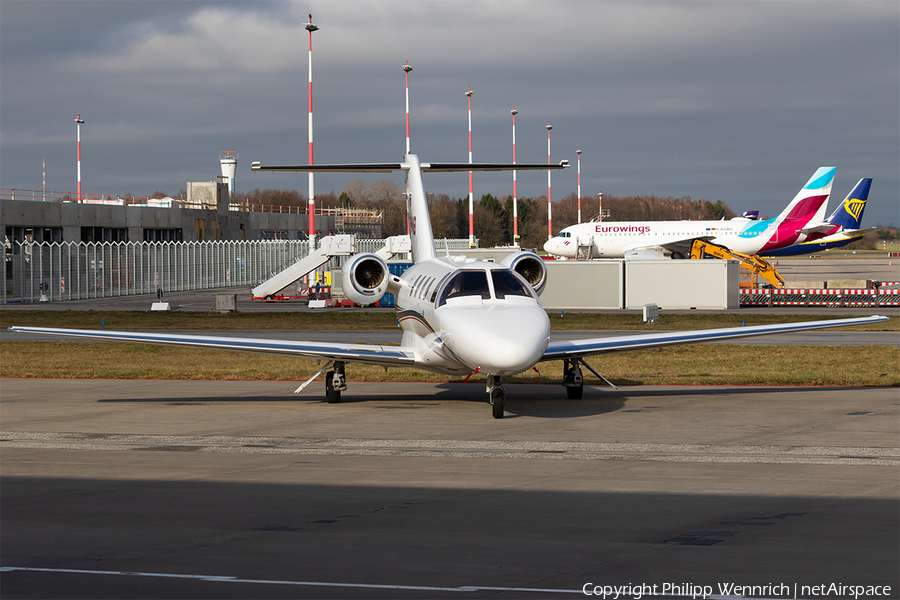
column 594, row 284
column 670, row 284
column 682, row 284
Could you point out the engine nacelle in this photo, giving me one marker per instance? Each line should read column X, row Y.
column 645, row 253
column 365, row 278
column 530, row 266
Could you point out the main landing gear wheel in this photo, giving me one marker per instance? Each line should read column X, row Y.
column 335, row 383
column 498, row 402
column 332, row 395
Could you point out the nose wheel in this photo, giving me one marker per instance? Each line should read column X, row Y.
column 573, row 380
column 497, row 396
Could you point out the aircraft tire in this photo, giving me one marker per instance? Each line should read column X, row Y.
column 575, row 393
column 498, row 402
column 332, row 395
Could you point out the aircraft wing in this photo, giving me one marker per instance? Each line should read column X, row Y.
column 580, row 348
column 384, row 356
column 682, row 245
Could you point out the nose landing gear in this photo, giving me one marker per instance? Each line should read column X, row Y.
column 497, row 396
column 573, row 380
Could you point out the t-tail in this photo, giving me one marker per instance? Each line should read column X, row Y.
column 420, row 232
column 849, row 213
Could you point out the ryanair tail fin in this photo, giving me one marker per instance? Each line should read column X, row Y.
column 849, row 213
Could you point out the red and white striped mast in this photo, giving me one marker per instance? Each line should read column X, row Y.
column 471, row 195
column 514, row 112
column 549, row 189
column 407, row 68
column 600, row 206
column 579, row 184
column 310, row 27
column 78, row 122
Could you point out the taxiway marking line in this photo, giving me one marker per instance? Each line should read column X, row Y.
column 718, row 453
column 372, row 586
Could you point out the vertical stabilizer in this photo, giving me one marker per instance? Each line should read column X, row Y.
column 849, row 213
column 811, row 197
column 786, row 228
column 420, row 233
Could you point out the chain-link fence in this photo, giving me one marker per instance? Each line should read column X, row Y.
column 76, row 270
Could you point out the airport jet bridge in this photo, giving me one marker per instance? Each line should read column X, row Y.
column 329, row 247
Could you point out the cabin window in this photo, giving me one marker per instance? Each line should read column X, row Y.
column 506, row 283
column 466, row 283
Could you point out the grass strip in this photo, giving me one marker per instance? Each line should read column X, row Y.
column 352, row 319
column 856, row 366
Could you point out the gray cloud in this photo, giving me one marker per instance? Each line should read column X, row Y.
column 733, row 101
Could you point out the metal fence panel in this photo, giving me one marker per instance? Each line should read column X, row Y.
column 78, row 270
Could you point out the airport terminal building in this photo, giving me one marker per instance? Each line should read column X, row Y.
column 205, row 215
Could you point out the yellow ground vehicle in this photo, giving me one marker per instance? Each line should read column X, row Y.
column 755, row 264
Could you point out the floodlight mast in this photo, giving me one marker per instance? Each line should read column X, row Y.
column 78, row 122
column 579, row 184
column 471, row 195
column 514, row 112
column 549, row 189
column 310, row 27
column 407, row 68
column 600, row 206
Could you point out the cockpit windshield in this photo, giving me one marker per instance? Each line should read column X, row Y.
column 564, row 234
column 475, row 283
column 466, row 283
column 507, row 284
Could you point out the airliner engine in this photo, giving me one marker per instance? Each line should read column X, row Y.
column 365, row 278
column 530, row 266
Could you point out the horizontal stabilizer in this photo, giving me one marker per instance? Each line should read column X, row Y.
column 426, row 167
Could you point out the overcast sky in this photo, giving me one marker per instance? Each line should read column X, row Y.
column 738, row 101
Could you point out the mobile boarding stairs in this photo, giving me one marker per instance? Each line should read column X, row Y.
column 329, row 247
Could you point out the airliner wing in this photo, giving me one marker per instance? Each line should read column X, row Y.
column 384, row 356
column 580, row 348
column 682, row 245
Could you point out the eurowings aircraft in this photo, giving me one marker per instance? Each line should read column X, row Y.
column 841, row 228
column 660, row 239
column 459, row 315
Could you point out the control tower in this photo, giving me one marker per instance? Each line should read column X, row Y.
column 228, row 160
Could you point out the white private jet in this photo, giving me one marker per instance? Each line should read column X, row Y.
column 459, row 315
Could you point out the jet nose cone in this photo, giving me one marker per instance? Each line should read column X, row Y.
column 550, row 246
column 501, row 340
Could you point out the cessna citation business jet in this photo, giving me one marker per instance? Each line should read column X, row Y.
column 459, row 316
column 659, row 239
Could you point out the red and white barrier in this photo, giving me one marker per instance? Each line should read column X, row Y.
column 805, row 297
